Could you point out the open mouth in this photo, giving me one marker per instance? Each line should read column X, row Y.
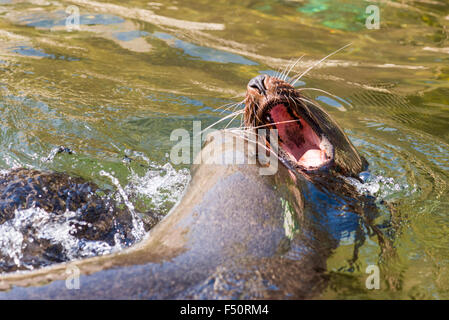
column 299, row 142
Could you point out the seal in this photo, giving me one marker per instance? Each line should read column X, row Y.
column 235, row 233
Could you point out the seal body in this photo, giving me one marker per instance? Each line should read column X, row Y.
column 234, row 234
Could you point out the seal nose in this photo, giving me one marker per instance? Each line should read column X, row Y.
column 257, row 83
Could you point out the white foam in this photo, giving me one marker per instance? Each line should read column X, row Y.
column 161, row 184
column 380, row 186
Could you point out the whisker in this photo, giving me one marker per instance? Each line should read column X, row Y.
column 317, row 63
column 324, row 91
column 232, row 120
column 308, row 100
column 237, row 105
column 265, row 125
column 282, row 74
column 226, row 107
column 222, row 119
column 279, row 73
column 229, row 106
column 258, row 143
column 291, row 67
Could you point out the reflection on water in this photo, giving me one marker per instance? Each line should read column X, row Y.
column 58, row 18
column 114, row 91
column 203, row 53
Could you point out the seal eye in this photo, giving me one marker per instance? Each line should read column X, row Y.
column 258, row 84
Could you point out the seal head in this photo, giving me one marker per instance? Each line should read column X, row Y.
column 309, row 140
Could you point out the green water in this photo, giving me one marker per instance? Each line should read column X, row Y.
column 115, row 89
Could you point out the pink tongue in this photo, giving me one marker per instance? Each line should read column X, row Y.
column 313, row 157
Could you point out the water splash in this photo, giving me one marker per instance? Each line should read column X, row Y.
column 22, row 240
column 380, row 186
column 138, row 227
column 164, row 185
